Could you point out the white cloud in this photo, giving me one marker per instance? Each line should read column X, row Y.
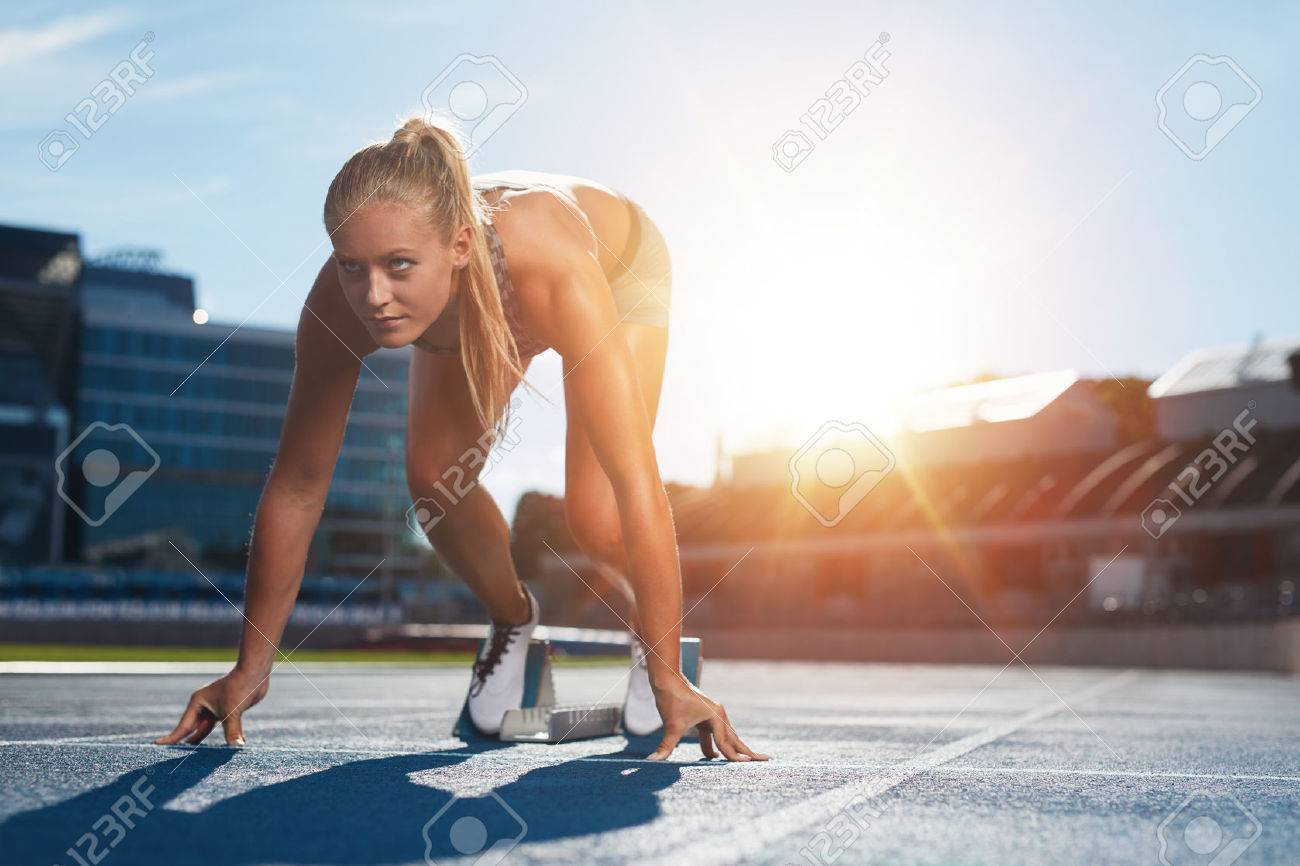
column 144, row 199
column 188, row 85
column 25, row 44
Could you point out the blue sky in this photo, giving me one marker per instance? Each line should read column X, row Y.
column 1003, row 200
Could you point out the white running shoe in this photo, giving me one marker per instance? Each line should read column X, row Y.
column 497, row 683
column 640, row 715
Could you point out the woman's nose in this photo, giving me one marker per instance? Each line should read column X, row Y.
column 379, row 292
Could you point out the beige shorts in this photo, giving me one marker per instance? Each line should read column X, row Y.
column 643, row 289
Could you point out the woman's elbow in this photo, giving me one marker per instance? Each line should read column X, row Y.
column 641, row 492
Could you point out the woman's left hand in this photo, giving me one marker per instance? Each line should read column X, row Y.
column 683, row 706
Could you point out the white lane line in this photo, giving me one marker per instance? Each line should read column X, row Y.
column 278, row 712
column 1114, row 774
column 746, row 840
column 263, row 725
column 939, row 770
column 96, row 739
column 324, row 750
column 20, row 667
column 368, row 668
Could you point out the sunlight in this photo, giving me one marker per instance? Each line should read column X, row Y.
column 843, row 294
column 852, row 335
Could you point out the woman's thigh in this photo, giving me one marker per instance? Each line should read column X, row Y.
column 587, row 489
column 441, row 425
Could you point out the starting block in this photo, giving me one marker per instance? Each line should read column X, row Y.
column 540, row 719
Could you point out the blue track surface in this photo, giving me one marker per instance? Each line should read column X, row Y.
column 870, row 764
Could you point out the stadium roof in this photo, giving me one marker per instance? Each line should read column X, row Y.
column 1227, row 367
column 1010, row 399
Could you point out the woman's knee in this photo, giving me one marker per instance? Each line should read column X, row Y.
column 443, row 468
column 595, row 528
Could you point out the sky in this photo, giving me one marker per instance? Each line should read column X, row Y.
column 1000, row 197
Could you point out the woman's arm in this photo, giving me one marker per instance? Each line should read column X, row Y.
column 326, row 369
column 579, row 315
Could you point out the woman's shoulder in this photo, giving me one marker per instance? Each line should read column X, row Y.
column 526, row 179
column 538, row 228
column 542, row 234
column 536, row 213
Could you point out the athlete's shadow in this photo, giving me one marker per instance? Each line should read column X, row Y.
column 365, row 811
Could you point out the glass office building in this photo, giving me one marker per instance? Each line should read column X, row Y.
column 134, row 446
column 38, row 294
column 185, row 418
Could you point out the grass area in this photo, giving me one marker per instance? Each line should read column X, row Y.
column 95, row 653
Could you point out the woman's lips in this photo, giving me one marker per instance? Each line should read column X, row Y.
column 388, row 322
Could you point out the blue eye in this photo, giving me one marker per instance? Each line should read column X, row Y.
column 393, row 262
column 349, row 267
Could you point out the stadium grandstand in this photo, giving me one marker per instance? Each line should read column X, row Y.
column 1113, row 502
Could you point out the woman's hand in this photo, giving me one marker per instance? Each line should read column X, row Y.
column 682, row 706
column 223, row 700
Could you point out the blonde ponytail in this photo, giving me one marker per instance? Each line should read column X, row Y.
column 423, row 166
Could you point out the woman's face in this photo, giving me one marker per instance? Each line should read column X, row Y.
column 395, row 270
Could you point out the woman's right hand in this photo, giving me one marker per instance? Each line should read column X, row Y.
column 682, row 706
column 223, row 700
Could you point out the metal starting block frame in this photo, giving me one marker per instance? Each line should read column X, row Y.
column 541, row 720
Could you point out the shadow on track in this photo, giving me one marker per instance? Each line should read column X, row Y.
column 365, row 811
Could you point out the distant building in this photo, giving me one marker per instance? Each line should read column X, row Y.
column 109, row 286
column 1027, row 417
column 39, row 272
column 1206, row 391
column 209, row 400
column 173, row 425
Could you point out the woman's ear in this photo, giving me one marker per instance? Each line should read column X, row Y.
column 462, row 247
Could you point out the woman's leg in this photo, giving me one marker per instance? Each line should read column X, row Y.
column 471, row 535
column 590, row 507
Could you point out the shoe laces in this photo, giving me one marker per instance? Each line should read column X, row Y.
column 502, row 635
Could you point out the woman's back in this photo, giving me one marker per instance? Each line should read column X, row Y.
column 604, row 208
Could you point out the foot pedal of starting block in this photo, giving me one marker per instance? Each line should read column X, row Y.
column 692, row 659
column 539, row 686
column 558, row 724
column 540, row 720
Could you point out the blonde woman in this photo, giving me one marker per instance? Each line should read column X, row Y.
column 480, row 275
